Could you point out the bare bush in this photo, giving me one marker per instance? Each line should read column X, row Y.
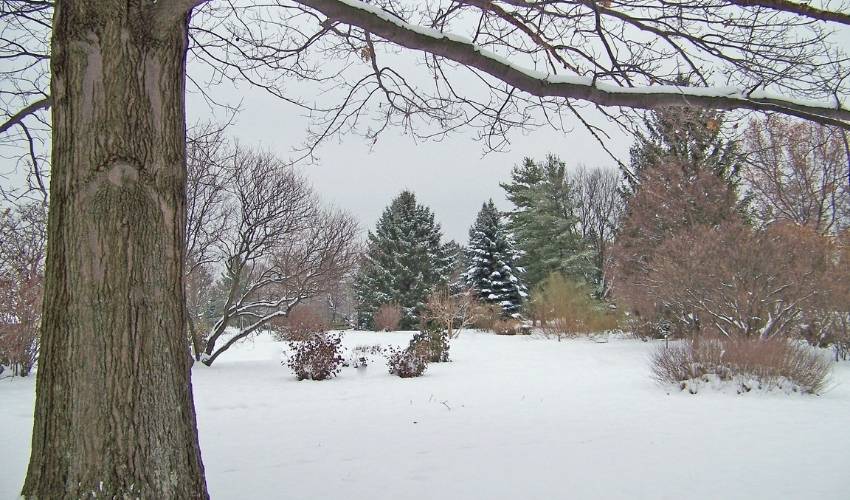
column 363, row 355
column 751, row 363
column 318, row 358
column 302, row 323
column 566, row 309
column 406, row 363
column 506, row 326
column 736, row 281
column 387, row 318
column 486, row 316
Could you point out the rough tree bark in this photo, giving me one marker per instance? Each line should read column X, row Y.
column 114, row 413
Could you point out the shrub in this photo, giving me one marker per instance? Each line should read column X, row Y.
column 387, row 318
column 432, row 343
column 751, row 363
column 302, row 323
column 733, row 280
column 567, row 309
column 18, row 349
column 506, row 327
column 317, row 358
column 363, row 355
column 406, row 363
column 486, row 316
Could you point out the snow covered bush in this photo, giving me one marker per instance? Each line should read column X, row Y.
column 362, row 356
column 317, row 358
column 432, row 343
column 387, row 318
column 776, row 363
column 406, row 363
column 566, row 309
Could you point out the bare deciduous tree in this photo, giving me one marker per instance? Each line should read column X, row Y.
column 668, row 202
column 797, row 172
column 598, row 208
column 278, row 247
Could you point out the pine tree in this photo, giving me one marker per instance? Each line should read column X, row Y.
column 494, row 273
column 404, row 261
column 544, row 222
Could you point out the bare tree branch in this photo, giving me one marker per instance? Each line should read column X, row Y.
column 802, row 9
column 25, row 112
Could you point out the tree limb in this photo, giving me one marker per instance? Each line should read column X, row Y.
column 22, row 114
column 463, row 51
column 797, row 8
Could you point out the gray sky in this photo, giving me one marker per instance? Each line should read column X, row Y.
column 452, row 177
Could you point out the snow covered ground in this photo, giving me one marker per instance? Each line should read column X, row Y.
column 510, row 418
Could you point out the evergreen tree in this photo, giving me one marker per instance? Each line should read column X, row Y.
column 404, row 261
column 689, row 137
column 458, row 263
column 494, row 273
column 544, row 222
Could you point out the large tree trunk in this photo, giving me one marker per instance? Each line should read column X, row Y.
column 114, row 415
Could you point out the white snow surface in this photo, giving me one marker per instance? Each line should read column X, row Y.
column 510, row 417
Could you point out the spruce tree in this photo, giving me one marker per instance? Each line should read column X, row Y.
column 494, row 273
column 689, row 137
column 544, row 222
column 404, row 261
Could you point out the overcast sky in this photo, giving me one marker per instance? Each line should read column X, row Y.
column 452, row 177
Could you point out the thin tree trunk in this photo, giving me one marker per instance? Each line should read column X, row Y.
column 114, row 414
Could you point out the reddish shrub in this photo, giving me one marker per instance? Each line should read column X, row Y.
column 302, row 323
column 406, row 363
column 317, row 358
column 387, row 318
column 753, row 363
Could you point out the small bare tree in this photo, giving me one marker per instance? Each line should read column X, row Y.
column 452, row 311
column 668, row 203
column 278, row 247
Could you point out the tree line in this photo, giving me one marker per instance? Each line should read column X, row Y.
column 113, row 75
column 707, row 230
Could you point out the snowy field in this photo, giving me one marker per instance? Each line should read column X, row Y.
column 509, row 418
